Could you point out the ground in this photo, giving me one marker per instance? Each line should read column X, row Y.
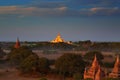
column 12, row 75
column 8, row 72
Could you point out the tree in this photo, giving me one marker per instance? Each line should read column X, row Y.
column 88, row 79
column 2, row 54
column 43, row 78
column 90, row 55
column 70, row 63
column 77, row 76
column 29, row 64
column 27, row 61
column 34, row 64
column 16, row 56
column 43, row 65
column 108, row 64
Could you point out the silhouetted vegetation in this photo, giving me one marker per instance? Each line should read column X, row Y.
column 108, row 64
column 53, row 46
column 43, row 65
column 29, row 64
column 98, row 46
column 90, row 55
column 43, row 79
column 77, row 76
column 2, row 54
column 69, row 64
column 78, row 45
column 16, row 56
column 88, row 79
column 27, row 61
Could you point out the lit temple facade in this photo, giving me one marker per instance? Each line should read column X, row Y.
column 94, row 72
column 59, row 39
column 116, row 70
column 17, row 45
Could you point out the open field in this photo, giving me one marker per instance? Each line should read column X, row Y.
column 12, row 75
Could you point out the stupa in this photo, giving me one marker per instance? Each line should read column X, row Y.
column 116, row 70
column 58, row 39
column 17, row 45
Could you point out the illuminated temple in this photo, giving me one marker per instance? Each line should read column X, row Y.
column 58, row 39
column 116, row 70
column 94, row 72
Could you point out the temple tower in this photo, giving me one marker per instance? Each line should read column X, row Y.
column 94, row 72
column 100, row 74
column 17, row 45
column 116, row 70
column 58, row 39
column 95, row 64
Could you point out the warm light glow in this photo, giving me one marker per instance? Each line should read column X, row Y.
column 58, row 39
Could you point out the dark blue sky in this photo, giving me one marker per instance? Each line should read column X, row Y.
column 41, row 20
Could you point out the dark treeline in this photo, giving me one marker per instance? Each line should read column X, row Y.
column 99, row 46
column 78, row 45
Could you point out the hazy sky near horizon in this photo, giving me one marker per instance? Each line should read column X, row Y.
column 41, row 20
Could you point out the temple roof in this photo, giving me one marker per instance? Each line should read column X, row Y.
column 116, row 68
column 17, row 45
column 95, row 62
column 58, row 39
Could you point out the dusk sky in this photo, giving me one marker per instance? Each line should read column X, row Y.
column 41, row 20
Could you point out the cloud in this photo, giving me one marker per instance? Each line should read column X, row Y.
column 62, row 8
column 32, row 10
column 105, row 11
column 16, row 10
column 59, row 11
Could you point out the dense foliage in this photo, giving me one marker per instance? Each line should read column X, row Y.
column 43, row 79
column 43, row 65
column 2, row 54
column 16, row 56
column 34, row 64
column 27, row 61
column 70, row 64
column 29, row 64
column 90, row 55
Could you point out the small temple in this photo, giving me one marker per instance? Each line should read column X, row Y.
column 94, row 72
column 116, row 70
column 17, row 45
column 58, row 39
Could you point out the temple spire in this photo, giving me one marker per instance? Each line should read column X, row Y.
column 99, row 74
column 117, row 60
column 95, row 62
column 94, row 72
column 117, row 63
column 58, row 39
column 17, row 45
column 116, row 70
